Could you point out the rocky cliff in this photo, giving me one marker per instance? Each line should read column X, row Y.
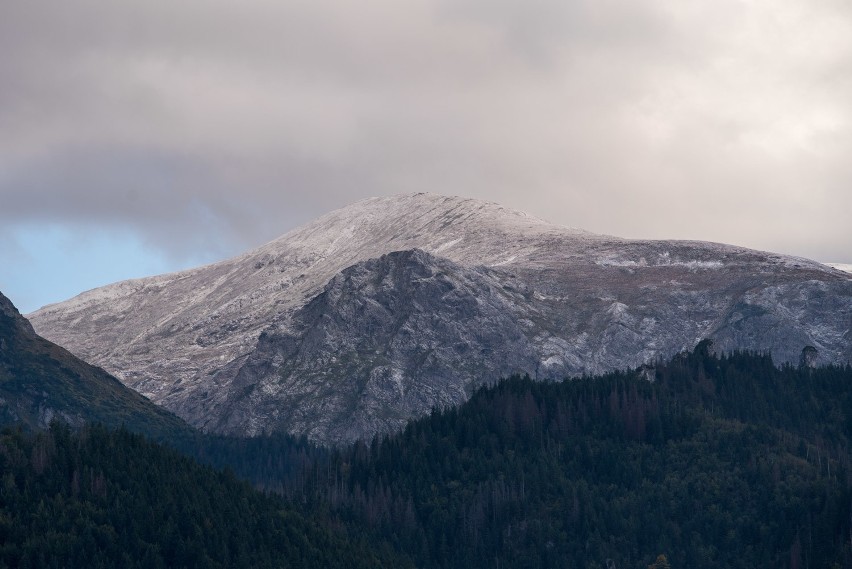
column 377, row 312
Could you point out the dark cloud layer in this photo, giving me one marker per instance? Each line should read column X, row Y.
column 212, row 126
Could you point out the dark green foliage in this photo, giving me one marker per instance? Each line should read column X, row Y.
column 99, row 498
column 720, row 462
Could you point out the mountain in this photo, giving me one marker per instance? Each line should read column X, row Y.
column 375, row 313
column 40, row 381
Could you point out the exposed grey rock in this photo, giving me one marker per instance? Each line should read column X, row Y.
column 387, row 339
column 13, row 320
column 375, row 313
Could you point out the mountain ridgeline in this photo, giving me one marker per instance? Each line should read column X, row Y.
column 373, row 314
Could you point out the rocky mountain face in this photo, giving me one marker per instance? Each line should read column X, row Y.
column 408, row 331
column 375, row 313
column 41, row 382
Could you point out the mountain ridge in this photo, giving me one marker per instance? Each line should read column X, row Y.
column 585, row 303
column 41, row 382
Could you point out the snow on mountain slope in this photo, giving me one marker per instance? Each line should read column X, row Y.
column 215, row 313
column 846, row 268
column 249, row 344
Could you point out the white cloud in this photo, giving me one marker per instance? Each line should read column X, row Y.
column 221, row 124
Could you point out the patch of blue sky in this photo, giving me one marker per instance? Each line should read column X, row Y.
column 46, row 263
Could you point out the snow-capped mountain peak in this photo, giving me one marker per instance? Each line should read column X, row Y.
column 234, row 345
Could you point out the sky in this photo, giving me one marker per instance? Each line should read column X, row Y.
column 143, row 137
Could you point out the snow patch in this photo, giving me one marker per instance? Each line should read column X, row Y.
column 447, row 245
column 662, row 261
column 503, row 262
column 845, row 267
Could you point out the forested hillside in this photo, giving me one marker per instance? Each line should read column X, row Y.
column 717, row 462
column 710, row 461
column 103, row 499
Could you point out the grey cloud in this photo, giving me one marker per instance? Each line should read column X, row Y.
column 215, row 126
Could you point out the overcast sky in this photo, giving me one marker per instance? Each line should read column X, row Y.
column 139, row 137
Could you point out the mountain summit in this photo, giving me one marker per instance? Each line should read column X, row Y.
column 375, row 313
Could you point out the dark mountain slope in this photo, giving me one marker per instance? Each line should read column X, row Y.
column 40, row 382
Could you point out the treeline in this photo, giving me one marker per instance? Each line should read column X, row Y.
column 716, row 462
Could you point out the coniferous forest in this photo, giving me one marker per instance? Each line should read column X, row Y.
column 709, row 461
column 100, row 498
